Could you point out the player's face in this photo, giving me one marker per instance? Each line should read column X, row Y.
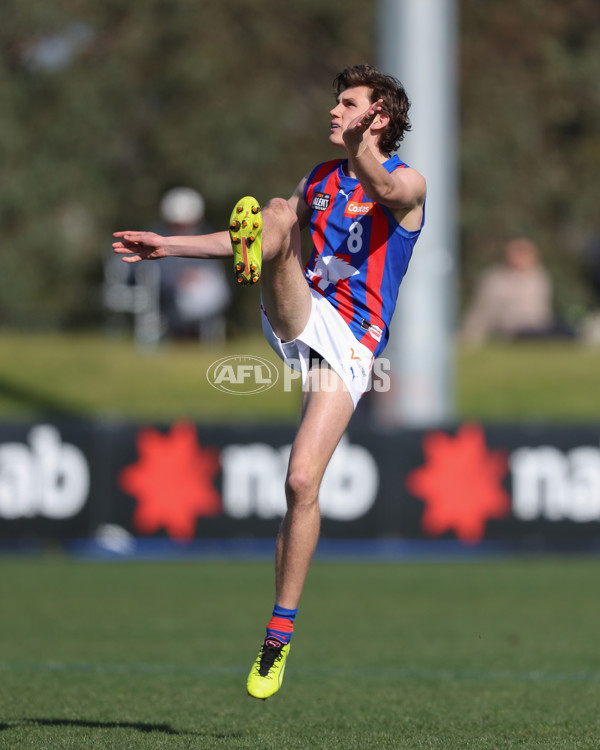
column 351, row 103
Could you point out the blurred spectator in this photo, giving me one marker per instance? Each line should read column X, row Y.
column 194, row 293
column 513, row 299
column 593, row 268
column 178, row 297
column 590, row 328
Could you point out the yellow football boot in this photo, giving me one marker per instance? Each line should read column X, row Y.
column 266, row 675
column 245, row 231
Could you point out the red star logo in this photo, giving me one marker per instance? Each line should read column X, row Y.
column 461, row 484
column 172, row 481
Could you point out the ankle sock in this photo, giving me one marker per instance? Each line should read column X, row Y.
column 281, row 624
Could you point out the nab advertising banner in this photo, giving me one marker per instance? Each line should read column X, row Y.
column 470, row 482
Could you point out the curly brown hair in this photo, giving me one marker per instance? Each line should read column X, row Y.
column 386, row 87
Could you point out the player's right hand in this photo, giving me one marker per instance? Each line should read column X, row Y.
column 136, row 246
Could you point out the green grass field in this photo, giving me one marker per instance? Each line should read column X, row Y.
column 93, row 375
column 476, row 655
column 473, row 656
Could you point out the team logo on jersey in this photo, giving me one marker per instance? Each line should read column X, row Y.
column 320, row 202
column 330, row 269
column 357, row 209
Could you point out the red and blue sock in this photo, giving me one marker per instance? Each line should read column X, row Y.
column 281, row 625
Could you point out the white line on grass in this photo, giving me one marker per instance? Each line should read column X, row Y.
column 413, row 674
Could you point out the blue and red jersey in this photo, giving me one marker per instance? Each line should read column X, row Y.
column 360, row 253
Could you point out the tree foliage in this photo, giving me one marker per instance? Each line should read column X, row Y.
column 107, row 105
column 530, row 116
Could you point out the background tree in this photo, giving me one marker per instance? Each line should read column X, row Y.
column 107, row 105
column 530, row 153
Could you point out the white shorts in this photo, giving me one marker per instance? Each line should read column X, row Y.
column 327, row 333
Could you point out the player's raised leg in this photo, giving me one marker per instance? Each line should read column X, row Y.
column 266, row 246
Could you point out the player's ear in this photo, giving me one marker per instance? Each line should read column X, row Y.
column 380, row 122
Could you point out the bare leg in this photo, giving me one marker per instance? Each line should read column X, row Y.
column 285, row 293
column 327, row 409
column 327, row 412
column 327, row 405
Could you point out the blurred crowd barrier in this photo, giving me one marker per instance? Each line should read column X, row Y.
column 113, row 484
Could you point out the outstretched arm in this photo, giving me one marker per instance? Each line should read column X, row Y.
column 136, row 246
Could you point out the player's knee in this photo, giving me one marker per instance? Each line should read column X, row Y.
column 301, row 487
column 281, row 213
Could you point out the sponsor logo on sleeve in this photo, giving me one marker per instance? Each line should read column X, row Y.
column 320, row 201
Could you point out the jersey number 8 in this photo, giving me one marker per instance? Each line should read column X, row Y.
column 355, row 241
